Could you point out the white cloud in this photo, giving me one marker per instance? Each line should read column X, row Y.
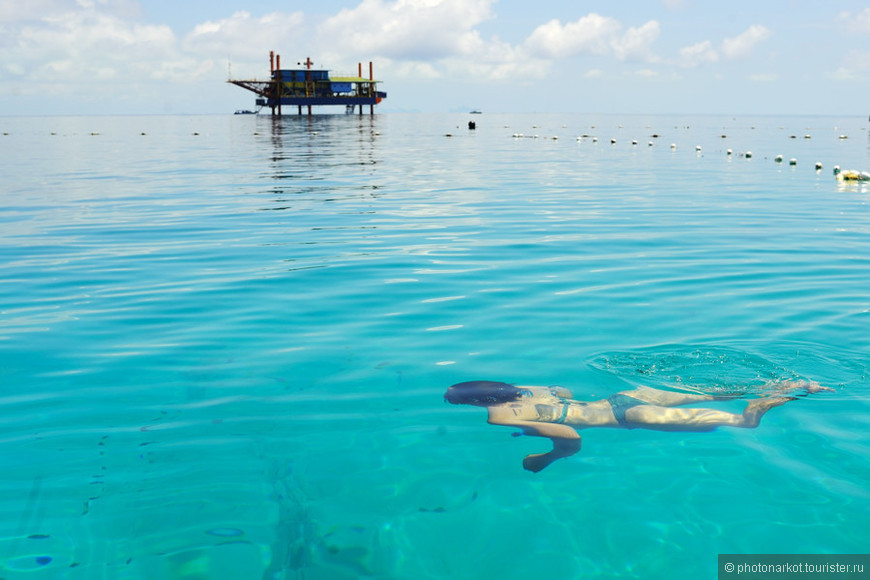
column 91, row 51
column 859, row 23
column 635, row 43
column 698, row 54
column 517, row 71
column 243, row 35
column 408, row 29
column 856, row 67
column 415, row 70
column 845, row 74
column 764, row 77
column 91, row 47
column 741, row 45
column 18, row 10
column 87, row 41
column 103, row 50
column 591, row 34
column 426, row 39
column 862, row 21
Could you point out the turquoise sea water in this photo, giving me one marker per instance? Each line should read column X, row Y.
column 224, row 343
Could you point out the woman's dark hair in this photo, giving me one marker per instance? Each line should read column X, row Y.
column 482, row 393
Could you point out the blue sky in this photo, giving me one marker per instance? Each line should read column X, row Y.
column 651, row 56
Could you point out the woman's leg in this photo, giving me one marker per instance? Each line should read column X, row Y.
column 668, row 398
column 662, row 418
column 676, row 398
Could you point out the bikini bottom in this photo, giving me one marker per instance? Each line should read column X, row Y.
column 620, row 404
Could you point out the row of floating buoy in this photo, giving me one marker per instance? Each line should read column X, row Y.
column 841, row 175
column 535, row 136
column 97, row 133
column 793, row 161
column 698, row 149
column 195, row 133
column 808, row 136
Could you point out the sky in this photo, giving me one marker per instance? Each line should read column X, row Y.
column 83, row 57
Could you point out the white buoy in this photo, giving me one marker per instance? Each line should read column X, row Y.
column 595, row 139
column 818, row 166
column 844, row 137
column 697, row 147
column 650, row 143
column 728, row 152
column 673, row 145
column 749, row 154
column 792, row 161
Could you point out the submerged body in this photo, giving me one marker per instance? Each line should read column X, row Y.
column 552, row 412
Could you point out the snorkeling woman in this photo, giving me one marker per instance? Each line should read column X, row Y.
column 552, row 412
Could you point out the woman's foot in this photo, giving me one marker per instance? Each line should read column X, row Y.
column 756, row 408
column 809, row 387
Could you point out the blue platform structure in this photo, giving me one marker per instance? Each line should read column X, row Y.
column 308, row 87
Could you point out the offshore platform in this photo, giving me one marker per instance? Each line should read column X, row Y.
column 308, row 87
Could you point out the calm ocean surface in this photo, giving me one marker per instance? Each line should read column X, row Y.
column 224, row 343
